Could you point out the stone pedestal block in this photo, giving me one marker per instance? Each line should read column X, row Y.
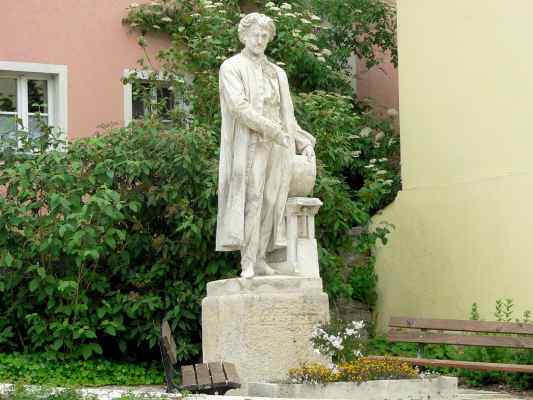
column 262, row 325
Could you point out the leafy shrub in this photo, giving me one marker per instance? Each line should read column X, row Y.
column 44, row 369
column 100, row 243
column 360, row 370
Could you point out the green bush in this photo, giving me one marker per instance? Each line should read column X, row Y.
column 45, row 369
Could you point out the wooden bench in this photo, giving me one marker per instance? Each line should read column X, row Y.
column 459, row 332
column 210, row 378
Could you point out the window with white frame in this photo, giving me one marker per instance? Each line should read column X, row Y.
column 137, row 104
column 25, row 103
column 32, row 95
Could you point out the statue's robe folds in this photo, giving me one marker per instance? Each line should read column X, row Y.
column 241, row 102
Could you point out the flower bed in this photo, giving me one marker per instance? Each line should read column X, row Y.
column 399, row 389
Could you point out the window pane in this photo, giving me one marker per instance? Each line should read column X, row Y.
column 8, row 126
column 37, row 96
column 137, row 107
column 8, row 94
column 36, row 123
column 141, row 99
column 165, row 98
column 8, row 123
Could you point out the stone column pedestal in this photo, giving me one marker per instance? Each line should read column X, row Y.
column 300, row 257
column 262, row 325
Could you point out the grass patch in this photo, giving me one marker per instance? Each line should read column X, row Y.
column 43, row 369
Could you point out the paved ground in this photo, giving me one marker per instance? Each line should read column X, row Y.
column 472, row 394
column 113, row 392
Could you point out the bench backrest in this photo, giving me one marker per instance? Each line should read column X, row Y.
column 419, row 331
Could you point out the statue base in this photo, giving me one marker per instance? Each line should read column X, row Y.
column 263, row 325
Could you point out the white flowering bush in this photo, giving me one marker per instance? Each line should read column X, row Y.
column 341, row 340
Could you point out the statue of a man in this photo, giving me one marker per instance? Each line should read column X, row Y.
column 259, row 139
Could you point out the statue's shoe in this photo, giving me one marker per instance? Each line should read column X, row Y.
column 247, row 270
column 263, row 268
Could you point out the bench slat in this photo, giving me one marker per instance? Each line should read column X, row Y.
column 217, row 373
column 231, row 373
column 516, row 342
column 188, row 377
column 203, row 376
column 461, row 364
column 459, row 325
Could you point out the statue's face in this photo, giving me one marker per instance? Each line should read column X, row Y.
column 256, row 40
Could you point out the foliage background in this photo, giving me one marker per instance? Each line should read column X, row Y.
column 103, row 240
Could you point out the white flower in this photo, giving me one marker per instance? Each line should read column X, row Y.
column 358, row 324
column 305, row 21
column 388, row 182
column 274, row 8
column 315, row 18
column 365, row 132
column 280, row 63
column 326, row 52
column 383, row 159
column 356, row 153
column 270, row 4
column 391, row 112
column 310, row 36
column 321, row 59
column 373, row 161
column 219, row 4
column 286, row 6
column 166, row 19
column 381, row 172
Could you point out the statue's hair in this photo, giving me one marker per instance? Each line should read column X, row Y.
column 252, row 19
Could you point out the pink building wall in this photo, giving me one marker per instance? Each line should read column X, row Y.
column 87, row 36
column 380, row 83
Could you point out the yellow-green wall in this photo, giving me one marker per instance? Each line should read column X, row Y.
column 464, row 221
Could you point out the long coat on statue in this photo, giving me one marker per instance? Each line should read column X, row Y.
column 241, row 102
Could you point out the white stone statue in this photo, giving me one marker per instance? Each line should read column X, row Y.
column 260, row 140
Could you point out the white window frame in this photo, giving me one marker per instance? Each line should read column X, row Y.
column 128, row 91
column 56, row 77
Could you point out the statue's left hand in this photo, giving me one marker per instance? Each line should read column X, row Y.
column 309, row 152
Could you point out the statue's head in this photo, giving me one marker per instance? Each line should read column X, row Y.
column 255, row 31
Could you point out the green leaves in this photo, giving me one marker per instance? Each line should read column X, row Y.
column 104, row 257
column 46, row 369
